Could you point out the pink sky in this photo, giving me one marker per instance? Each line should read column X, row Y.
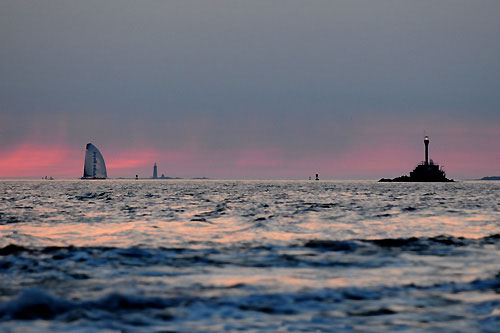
column 384, row 156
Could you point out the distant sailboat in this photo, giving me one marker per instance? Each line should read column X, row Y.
column 94, row 167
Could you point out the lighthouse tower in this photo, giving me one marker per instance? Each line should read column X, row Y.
column 155, row 172
column 426, row 142
column 426, row 171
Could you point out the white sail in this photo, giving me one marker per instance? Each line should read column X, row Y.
column 94, row 168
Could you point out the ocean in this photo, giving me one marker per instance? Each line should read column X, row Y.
column 262, row 256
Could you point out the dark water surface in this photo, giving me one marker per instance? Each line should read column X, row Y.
column 79, row 256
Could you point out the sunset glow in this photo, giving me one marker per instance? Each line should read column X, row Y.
column 364, row 161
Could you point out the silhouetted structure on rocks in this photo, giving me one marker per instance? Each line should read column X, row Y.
column 426, row 171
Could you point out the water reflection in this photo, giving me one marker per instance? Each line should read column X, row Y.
column 269, row 256
column 126, row 214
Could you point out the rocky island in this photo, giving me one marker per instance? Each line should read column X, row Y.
column 426, row 171
column 491, row 178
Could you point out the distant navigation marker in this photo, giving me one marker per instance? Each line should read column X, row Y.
column 155, row 172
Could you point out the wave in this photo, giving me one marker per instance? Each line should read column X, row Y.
column 411, row 243
column 365, row 254
column 36, row 303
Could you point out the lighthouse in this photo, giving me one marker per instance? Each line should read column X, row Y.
column 426, row 142
column 426, row 171
column 155, row 172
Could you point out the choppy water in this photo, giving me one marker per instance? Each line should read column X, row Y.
column 249, row 255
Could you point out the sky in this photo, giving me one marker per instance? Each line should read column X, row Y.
column 249, row 89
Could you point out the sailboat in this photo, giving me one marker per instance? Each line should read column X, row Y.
column 94, row 167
